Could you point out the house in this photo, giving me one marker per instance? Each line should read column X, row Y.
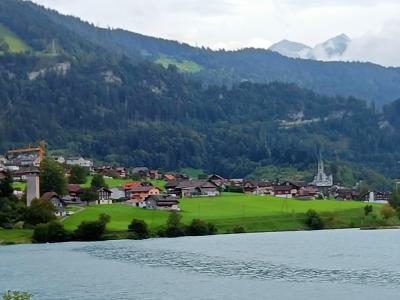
column 58, row 203
column 307, row 193
column 162, row 202
column 170, row 186
column 218, row 180
column 377, row 197
column 284, row 191
column 74, row 193
column 257, row 187
column 196, row 188
column 117, row 193
column 169, row 177
column 140, row 193
column 121, row 172
column 154, row 174
column 104, row 196
column 141, row 172
column 345, row 194
column 79, row 161
column 59, row 159
column 130, row 185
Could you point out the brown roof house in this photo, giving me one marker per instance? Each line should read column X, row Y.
column 257, row 187
column 196, row 188
column 58, row 203
column 139, row 194
column 162, row 202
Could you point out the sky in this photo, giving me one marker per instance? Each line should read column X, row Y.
column 374, row 25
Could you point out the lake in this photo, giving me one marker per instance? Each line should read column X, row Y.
column 336, row 264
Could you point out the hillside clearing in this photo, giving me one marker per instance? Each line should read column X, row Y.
column 15, row 44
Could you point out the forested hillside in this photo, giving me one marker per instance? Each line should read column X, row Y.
column 85, row 98
column 362, row 80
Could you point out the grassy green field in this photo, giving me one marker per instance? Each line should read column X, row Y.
column 17, row 236
column 19, row 186
column 193, row 173
column 255, row 213
column 183, row 65
column 15, row 44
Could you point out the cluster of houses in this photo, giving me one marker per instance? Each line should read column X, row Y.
column 24, row 163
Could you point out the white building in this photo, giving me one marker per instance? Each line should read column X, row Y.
column 80, row 161
column 321, row 180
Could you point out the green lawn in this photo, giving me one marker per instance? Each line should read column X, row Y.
column 19, row 186
column 182, row 65
column 111, row 182
column 193, row 173
column 15, row 43
column 15, row 236
column 255, row 213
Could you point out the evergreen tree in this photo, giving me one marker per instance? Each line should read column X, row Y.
column 98, row 182
column 6, row 188
column 78, row 175
column 52, row 177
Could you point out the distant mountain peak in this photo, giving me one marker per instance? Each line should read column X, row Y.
column 291, row 49
column 331, row 49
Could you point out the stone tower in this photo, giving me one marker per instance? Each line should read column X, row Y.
column 32, row 186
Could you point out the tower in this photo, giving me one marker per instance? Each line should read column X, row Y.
column 32, row 186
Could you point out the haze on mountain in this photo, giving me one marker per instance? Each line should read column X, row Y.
column 237, row 24
column 333, row 49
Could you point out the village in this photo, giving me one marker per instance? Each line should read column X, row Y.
column 137, row 186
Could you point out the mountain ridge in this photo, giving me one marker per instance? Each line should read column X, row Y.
column 122, row 108
column 367, row 81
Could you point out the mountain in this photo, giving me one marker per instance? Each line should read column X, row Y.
column 362, row 80
column 291, row 49
column 332, row 49
column 84, row 91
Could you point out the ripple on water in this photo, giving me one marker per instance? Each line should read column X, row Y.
column 195, row 262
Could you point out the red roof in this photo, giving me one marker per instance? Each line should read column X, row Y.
column 131, row 185
column 74, row 188
column 169, row 177
column 143, row 189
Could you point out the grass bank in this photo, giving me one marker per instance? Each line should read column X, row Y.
column 254, row 213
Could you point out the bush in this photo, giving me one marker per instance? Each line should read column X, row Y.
column 387, row 212
column 14, row 295
column 139, row 229
column 313, row 220
column 92, row 230
column 368, row 209
column 40, row 212
column 174, row 226
column 199, row 227
column 238, row 229
column 52, row 232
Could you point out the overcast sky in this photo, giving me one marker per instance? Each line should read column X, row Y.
column 233, row 24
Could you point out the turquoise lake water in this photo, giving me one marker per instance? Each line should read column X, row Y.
column 328, row 265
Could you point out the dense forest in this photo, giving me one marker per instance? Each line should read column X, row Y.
column 85, row 98
column 362, row 80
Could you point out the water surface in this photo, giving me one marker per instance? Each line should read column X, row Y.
column 345, row 264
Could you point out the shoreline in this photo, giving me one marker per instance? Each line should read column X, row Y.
column 124, row 235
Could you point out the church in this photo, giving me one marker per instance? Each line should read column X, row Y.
column 322, row 181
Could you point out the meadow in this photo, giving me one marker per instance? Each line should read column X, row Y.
column 183, row 66
column 254, row 213
column 15, row 44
